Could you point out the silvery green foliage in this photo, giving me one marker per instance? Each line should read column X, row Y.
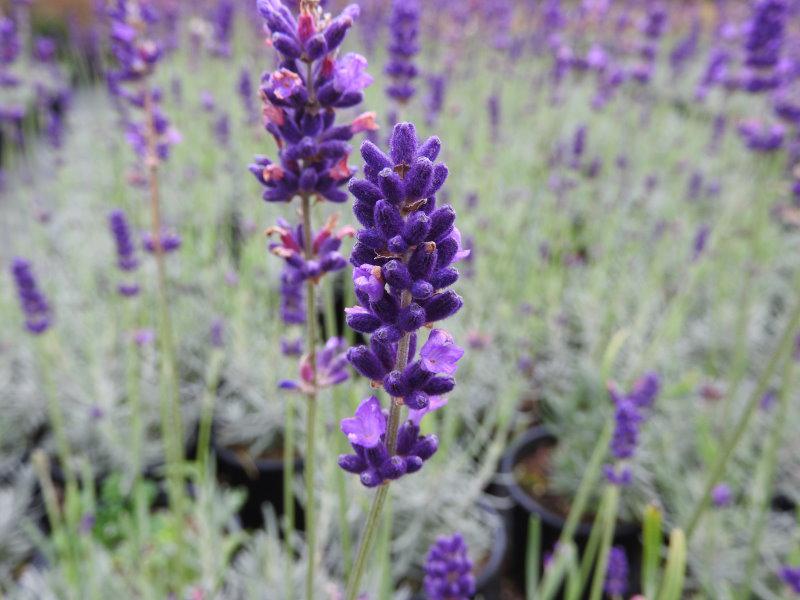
column 260, row 570
column 15, row 515
column 22, row 406
column 249, row 405
column 213, row 536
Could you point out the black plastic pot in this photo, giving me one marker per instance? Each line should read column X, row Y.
column 524, row 505
column 262, row 479
column 488, row 580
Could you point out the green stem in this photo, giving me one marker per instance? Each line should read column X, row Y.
column 57, row 422
column 371, row 528
column 341, row 489
column 765, row 477
column 590, row 476
column 288, row 489
column 207, row 413
column 171, row 426
column 609, row 522
column 728, row 447
column 311, row 401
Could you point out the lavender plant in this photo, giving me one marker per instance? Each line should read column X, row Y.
column 137, row 52
column 299, row 104
column 408, row 244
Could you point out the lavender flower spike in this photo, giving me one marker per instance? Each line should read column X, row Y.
column 617, row 572
column 448, row 570
column 126, row 251
column 629, row 414
column 38, row 315
column 403, row 264
column 791, row 577
column 403, row 46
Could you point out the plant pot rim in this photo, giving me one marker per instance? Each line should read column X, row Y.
column 228, row 456
column 519, row 448
column 499, row 549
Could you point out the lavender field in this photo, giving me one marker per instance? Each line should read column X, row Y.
column 404, row 299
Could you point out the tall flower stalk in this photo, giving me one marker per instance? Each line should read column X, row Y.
column 137, row 53
column 299, row 103
column 403, row 265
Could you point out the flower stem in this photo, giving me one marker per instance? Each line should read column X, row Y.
column 311, row 401
column 172, row 428
column 765, row 478
column 609, row 521
column 372, row 526
column 730, row 444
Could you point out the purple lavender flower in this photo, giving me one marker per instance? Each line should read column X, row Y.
column 628, row 416
column 144, row 337
column 217, row 333
column 38, row 316
column 168, row 241
column 403, row 264
column 300, row 113
column 331, row 368
column 403, row 47
column 137, row 52
column 222, row 20
column 244, row 88
column 616, row 583
column 721, row 495
column 366, row 432
column 292, row 308
column 763, row 45
column 448, row 570
column 440, row 354
column 791, row 577
column 493, row 107
column 700, row 241
column 761, row 137
column 325, row 249
column 127, row 262
column 435, row 100
column 685, row 48
column 291, row 347
column 44, row 49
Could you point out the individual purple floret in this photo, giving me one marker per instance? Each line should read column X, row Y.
column 222, row 21
column 435, row 100
column 216, row 333
column 299, row 102
column 169, row 241
column 403, row 47
column 762, row 137
column 331, row 369
column 721, row 495
column 448, row 570
column 700, row 241
column 616, row 583
column 791, row 577
column 38, row 316
column 629, row 416
column 292, row 308
column 366, row 432
column 325, row 249
column 763, row 44
column 244, row 87
column 127, row 261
